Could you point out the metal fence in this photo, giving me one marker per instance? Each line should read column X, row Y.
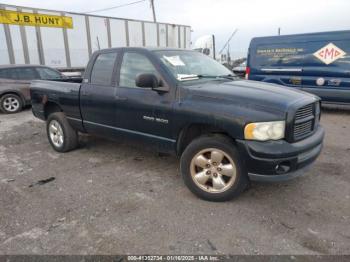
column 64, row 47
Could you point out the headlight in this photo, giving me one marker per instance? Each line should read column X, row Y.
column 265, row 131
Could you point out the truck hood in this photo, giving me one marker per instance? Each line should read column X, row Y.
column 252, row 93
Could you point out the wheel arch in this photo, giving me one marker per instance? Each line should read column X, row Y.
column 51, row 107
column 194, row 130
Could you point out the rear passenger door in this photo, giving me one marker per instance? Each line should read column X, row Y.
column 97, row 95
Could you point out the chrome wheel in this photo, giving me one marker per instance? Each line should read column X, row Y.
column 56, row 133
column 213, row 170
column 11, row 104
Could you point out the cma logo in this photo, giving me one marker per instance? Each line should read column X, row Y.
column 329, row 53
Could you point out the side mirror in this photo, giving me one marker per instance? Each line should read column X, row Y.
column 147, row 81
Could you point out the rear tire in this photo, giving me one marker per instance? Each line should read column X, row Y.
column 61, row 135
column 212, row 169
column 11, row 103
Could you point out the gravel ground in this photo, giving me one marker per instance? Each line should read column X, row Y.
column 116, row 197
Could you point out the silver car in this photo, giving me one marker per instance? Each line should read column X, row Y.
column 15, row 81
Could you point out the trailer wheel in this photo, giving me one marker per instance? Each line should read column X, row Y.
column 61, row 135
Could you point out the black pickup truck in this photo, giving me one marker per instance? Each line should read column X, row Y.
column 227, row 131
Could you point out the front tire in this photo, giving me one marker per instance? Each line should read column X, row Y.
column 11, row 103
column 212, row 169
column 61, row 135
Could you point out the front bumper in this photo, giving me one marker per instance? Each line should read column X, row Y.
column 263, row 158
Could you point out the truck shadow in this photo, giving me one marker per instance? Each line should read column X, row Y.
column 24, row 109
column 165, row 166
column 336, row 109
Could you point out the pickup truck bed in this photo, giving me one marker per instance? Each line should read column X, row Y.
column 64, row 93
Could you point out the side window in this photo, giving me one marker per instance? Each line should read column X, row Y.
column 7, row 73
column 132, row 65
column 47, row 73
column 4, row 73
column 102, row 70
column 24, row 73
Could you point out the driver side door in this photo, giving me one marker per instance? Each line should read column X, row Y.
column 143, row 112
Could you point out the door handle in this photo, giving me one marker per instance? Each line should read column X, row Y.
column 120, row 98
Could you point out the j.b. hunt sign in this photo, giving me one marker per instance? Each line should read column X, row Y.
column 31, row 19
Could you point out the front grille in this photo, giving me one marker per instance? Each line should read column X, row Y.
column 304, row 121
column 304, row 112
column 302, row 130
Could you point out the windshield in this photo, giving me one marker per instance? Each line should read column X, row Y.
column 191, row 65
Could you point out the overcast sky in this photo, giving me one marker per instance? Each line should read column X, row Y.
column 220, row 17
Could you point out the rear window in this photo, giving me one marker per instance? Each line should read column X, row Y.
column 102, row 70
column 25, row 73
column 48, row 73
column 4, row 73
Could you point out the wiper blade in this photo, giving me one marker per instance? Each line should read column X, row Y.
column 229, row 76
column 206, row 76
column 191, row 77
column 182, row 77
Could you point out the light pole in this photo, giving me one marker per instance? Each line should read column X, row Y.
column 153, row 11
